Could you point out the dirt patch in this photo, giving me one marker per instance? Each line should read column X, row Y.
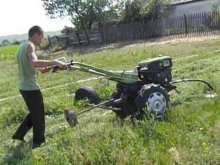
column 169, row 40
column 174, row 154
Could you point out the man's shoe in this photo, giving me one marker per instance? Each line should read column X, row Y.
column 16, row 137
column 36, row 145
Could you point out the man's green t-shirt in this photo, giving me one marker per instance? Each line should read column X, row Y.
column 27, row 76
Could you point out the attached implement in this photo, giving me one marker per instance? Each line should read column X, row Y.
column 143, row 91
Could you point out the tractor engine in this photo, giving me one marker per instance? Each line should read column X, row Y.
column 156, row 70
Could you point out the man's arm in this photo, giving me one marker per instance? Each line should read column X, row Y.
column 41, row 63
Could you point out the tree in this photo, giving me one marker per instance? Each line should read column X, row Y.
column 68, row 30
column 83, row 13
column 5, row 42
column 136, row 10
column 16, row 42
column 215, row 7
column 154, row 9
column 212, row 20
column 133, row 11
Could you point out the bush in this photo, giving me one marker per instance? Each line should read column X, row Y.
column 45, row 44
column 16, row 43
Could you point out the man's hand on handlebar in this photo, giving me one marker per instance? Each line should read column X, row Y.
column 60, row 64
column 57, row 65
column 44, row 69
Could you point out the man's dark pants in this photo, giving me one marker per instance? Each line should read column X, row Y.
column 35, row 118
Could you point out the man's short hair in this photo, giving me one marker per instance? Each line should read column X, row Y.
column 35, row 29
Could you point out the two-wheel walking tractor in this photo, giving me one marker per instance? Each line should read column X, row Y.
column 139, row 93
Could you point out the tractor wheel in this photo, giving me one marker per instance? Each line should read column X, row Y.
column 87, row 93
column 152, row 101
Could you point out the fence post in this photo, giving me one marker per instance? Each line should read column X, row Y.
column 185, row 24
column 87, row 37
column 77, row 35
column 102, row 31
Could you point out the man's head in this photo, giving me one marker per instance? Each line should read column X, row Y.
column 36, row 34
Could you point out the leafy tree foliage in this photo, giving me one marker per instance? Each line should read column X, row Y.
column 83, row 13
column 67, row 30
column 136, row 10
column 215, row 7
column 155, row 8
column 133, row 11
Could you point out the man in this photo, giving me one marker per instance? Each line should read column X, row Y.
column 28, row 64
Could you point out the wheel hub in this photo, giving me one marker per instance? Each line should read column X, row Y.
column 156, row 103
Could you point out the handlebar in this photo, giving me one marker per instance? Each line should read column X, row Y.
column 56, row 68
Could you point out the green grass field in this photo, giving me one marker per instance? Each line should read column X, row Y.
column 8, row 52
column 188, row 135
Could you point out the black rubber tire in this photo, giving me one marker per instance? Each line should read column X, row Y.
column 87, row 92
column 143, row 97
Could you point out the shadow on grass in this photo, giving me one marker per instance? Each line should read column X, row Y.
column 18, row 154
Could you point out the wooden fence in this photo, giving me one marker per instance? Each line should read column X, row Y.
column 76, row 38
column 201, row 23
column 196, row 24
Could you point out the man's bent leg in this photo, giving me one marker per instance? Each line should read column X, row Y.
column 26, row 124
column 23, row 128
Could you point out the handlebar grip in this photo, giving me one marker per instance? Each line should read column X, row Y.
column 55, row 67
